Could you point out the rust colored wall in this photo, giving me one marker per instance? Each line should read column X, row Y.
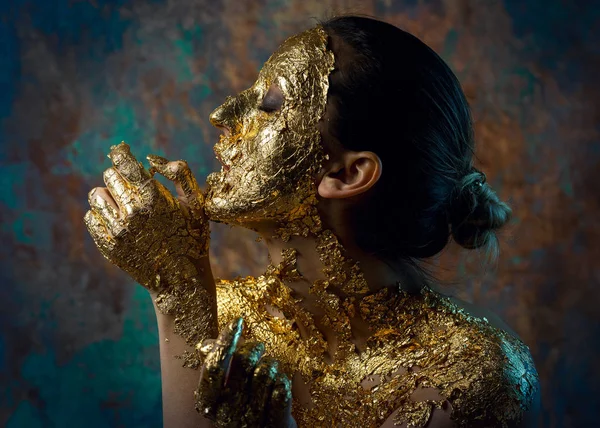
column 78, row 343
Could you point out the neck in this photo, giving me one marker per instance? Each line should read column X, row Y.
column 331, row 277
column 312, row 265
column 349, row 272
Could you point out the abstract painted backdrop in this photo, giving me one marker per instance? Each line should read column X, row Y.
column 78, row 340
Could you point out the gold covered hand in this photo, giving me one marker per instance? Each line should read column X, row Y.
column 138, row 225
column 239, row 386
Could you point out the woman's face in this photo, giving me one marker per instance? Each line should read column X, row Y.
column 270, row 148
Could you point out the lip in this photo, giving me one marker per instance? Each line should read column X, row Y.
column 225, row 166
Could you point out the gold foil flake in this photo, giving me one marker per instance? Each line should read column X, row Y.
column 418, row 414
column 418, row 341
column 304, row 221
column 271, row 158
column 340, row 271
column 191, row 309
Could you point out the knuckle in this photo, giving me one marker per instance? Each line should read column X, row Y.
column 181, row 165
column 109, row 173
column 131, row 210
column 205, row 347
column 88, row 219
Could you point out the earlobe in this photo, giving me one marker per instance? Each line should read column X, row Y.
column 354, row 174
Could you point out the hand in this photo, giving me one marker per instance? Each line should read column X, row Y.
column 239, row 387
column 138, row 225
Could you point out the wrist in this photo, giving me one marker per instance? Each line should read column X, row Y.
column 186, row 307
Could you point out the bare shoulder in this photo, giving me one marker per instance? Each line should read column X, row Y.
column 508, row 383
column 484, row 374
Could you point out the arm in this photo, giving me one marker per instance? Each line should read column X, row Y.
column 179, row 382
column 162, row 242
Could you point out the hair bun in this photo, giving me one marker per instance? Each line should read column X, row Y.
column 475, row 212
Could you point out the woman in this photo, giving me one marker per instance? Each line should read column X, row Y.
column 351, row 156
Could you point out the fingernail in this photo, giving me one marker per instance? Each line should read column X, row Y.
column 157, row 160
column 121, row 145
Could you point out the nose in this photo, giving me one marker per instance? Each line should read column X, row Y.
column 216, row 118
column 223, row 117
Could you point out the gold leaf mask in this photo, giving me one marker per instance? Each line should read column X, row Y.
column 272, row 157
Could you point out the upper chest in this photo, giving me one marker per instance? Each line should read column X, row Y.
column 415, row 343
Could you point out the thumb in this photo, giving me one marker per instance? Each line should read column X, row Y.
column 179, row 173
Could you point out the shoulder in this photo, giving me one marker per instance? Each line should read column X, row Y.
column 483, row 371
column 507, row 385
column 504, row 389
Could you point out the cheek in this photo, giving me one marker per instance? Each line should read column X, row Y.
column 265, row 143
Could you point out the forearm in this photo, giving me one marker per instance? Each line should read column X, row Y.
column 179, row 381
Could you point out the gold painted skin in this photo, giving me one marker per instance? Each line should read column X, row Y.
column 171, row 237
column 273, row 157
column 251, row 391
column 486, row 374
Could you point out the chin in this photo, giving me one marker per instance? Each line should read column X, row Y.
column 224, row 209
column 248, row 214
column 227, row 201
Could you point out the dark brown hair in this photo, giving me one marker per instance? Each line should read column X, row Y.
column 395, row 96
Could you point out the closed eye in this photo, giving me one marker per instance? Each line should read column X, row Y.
column 273, row 99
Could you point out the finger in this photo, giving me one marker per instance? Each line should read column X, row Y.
column 122, row 192
column 203, row 348
column 103, row 204
column 185, row 183
column 216, row 367
column 127, row 165
column 280, row 406
column 244, row 363
column 104, row 193
column 236, row 392
column 261, row 387
column 99, row 232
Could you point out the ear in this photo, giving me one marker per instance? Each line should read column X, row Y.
column 352, row 174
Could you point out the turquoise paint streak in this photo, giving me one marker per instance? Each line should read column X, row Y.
column 450, row 44
column 184, row 53
column 26, row 416
column 12, row 188
column 24, row 225
column 109, row 383
column 86, row 156
column 31, row 228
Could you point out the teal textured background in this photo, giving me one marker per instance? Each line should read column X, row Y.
column 78, row 340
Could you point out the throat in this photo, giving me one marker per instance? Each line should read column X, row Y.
column 325, row 289
column 324, row 282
